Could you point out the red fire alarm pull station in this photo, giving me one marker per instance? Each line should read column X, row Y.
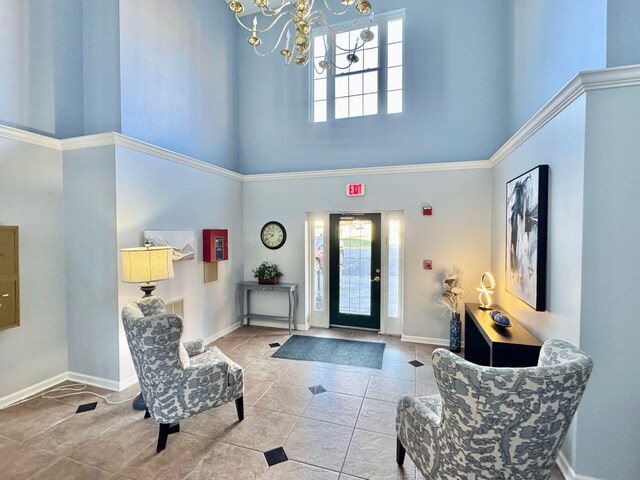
column 427, row 210
column 215, row 245
column 427, row 265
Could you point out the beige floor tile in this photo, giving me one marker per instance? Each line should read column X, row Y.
column 241, row 360
column 227, row 344
column 373, row 456
column 228, row 462
column 425, row 374
column 424, row 352
column 344, row 476
column 250, row 350
column 183, row 453
column 266, row 370
column 318, row 443
column 254, row 389
column 303, row 375
column 298, row 471
column 118, row 445
column 424, row 389
column 70, row 470
column 397, row 370
column 213, row 424
column 335, row 333
column 378, row 416
column 367, row 336
column 30, row 418
column 349, row 368
column 19, row 461
column 346, row 382
column 81, row 396
column 261, row 430
column 400, row 352
column 67, row 436
column 389, row 389
column 334, row 408
column 283, row 398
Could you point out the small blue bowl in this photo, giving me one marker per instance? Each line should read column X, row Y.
column 502, row 320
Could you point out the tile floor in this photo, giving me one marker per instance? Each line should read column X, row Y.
column 345, row 430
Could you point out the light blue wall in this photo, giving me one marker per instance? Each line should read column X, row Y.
column 31, row 198
column 623, row 33
column 179, row 77
column 91, row 258
column 608, row 423
column 157, row 194
column 551, row 41
column 101, row 65
column 456, row 84
column 559, row 144
column 41, row 66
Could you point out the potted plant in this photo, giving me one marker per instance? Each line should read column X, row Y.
column 267, row 273
column 451, row 300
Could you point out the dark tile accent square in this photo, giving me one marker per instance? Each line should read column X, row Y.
column 275, row 456
column 87, row 407
column 317, row 389
column 274, row 345
column 416, row 363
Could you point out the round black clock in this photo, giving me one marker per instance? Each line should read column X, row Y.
column 273, row 235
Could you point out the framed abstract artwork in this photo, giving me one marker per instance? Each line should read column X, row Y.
column 526, row 262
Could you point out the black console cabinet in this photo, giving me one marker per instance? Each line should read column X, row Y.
column 489, row 344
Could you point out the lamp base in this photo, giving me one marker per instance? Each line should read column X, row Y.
column 147, row 288
column 139, row 403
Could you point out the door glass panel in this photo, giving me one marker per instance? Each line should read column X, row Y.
column 355, row 266
column 394, row 268
column 318, row 262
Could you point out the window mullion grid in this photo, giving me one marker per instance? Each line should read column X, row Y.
column 383, row 52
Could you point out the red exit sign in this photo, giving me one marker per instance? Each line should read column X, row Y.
column 355, row 190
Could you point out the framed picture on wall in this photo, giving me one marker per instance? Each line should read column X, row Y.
column 526, row 262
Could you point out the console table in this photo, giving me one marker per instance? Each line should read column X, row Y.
column 291, row 289
column 489, row 344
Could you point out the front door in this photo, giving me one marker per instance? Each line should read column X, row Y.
column 354, row 270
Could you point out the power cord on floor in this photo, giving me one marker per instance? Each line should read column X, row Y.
column 68, row 391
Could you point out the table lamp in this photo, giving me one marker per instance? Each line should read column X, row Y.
column 146, row 265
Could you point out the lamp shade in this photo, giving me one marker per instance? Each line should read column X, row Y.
column 146, row 264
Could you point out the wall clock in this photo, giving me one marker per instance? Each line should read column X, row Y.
column 273, row 235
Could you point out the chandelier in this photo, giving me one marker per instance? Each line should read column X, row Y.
column 296, row 19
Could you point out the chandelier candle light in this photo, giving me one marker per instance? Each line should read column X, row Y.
column 296, row 19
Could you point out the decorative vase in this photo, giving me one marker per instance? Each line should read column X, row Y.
column 268, row 281
column 455, row 339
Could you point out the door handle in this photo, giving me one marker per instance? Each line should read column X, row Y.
column 376, row 279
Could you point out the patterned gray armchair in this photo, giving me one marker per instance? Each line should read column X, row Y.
column 177, row 387
column 493, row 423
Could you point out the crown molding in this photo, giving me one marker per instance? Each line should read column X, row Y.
column 117, row 139
column 393, row 169
column 581, row 83
column 29, row 137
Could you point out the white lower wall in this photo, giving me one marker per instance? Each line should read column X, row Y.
column 31, row 198
column 156, row 194
column 456, row 234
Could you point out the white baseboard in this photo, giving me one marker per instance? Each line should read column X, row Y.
column 441, row 342
column 222, row 333
column 93, row 381
column 32, row 390
column 567, row 470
